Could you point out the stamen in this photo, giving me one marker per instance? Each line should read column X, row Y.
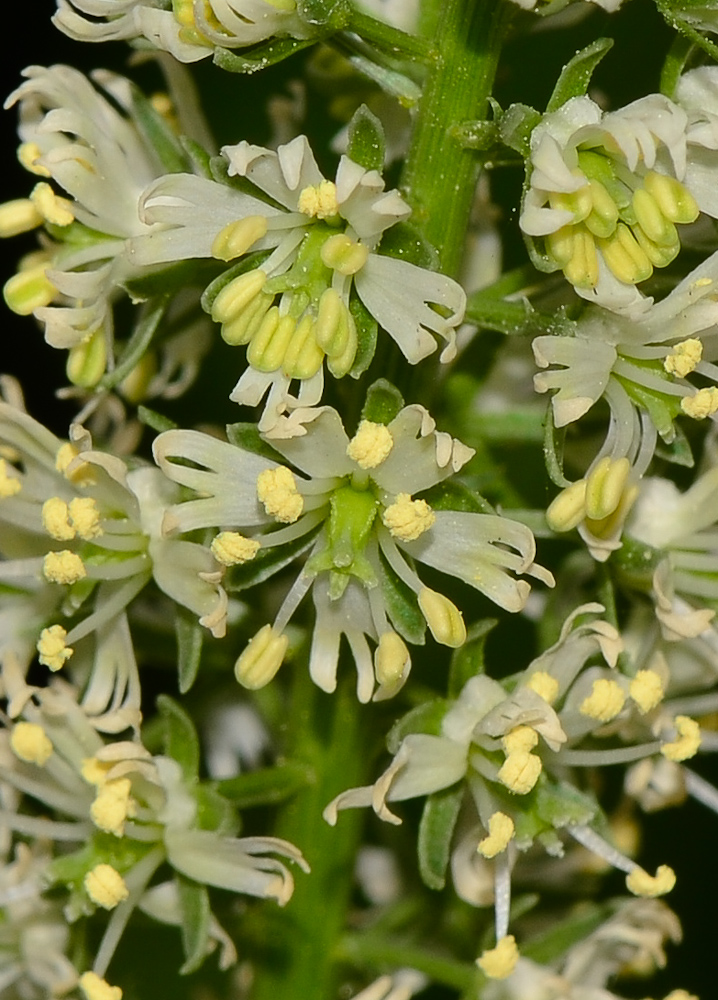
column 688, row 742
column 370, row 445
column 444, row 619
column 56, row 519
column 646, row 690
column 28, row 154
column 606, row 700
column 9, row 485
column 105, row 886
column 319, row 201
column 63, row 567
column 519, row 738
column 112, row 806
column 51, row 647
column 18, row 216
column 501, row 831
column 640, row 883
column 232, row 549
column 408, row 519
column 684, row 357
column 85, row 517
column 390, row 659
column 96, row 988
column 238, row 237
column 520, row 771
column 544, row 684
column 343, row 254
column 701, row 405
column 262, row 658
column 31, row 743
column 53, row 209
column 500, row 962
column 277, row 491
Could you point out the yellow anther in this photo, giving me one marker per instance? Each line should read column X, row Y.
column 9, row 484
column 343, row 254
column 605, row 486
column 568, row 509
column 319, row 201
column 31, row 743
column 63, row 567
column 605, row 701
column 239, row 237
column 520, row 771
column 546, row 686
column 659, row 254
column 331, row 331
column 55, row 210
column 87, row 360
column 95, row 771
column 684, row 357
column 236, row 296
column 680, row 995
column 646, row 690
column 232, row 549
column 651, row 219
column 673, row 198
column 28, row 290
column 80, row 473
column 51, row 648
column 370, row 445
column 277, row 491
column 560, row 245
column 624, row 256
column 582, row 269
column 303, row 356
column 501, row 830
column 519, row 738
column 96, row 988
column 640, row 883
column 261, row 659
column 408, row 519
column 18, row 216
column 28, row 154
column 688, row 742
column 500, row 962
column 579, row 203
column 443, row 618
column 391, row 659
column 604, row 212
column 56, row 519
column 105, row 886
column 112, row 806
column 270, row 342
column 85, row 517
column 701, row 405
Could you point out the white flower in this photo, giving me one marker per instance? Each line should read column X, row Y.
column 88, row 141
column 352, row 501
column 295, row 308
column 606, row 191
column 79, row 528
column 682, row 525
column 190, row 30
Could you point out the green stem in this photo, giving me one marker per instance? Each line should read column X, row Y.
column 328, row 739
column 381, row 953
column 440, row 174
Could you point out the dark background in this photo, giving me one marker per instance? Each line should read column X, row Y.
column 686, row 838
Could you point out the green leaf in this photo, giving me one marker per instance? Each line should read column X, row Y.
column 576, row 75
column 383, row 402
column 366, row 144
column 183, row 274
column 560, row 804
column 405, row 242
column 198, row 155
column 468, row 660
column 214, row 811
column 266, row 786
column 158, row 134
column 367, row 329
column 320, row 13
column 155, row 420
column 266, row 54
column 180, row 736
column 401, row 605
column 190, row 635
column 195, row 917
column 678, row 451
column 516, row 125
column 435, row 832
column 553, row 450
column 425, row 718
column 454, row 495
column 479, row 135
column 138, row 343
column 554, row 943
column 672, row 10
column 247, row 437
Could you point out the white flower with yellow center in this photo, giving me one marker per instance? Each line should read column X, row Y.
column 353, row 501
column 295, row 309
column 607, row 190
column 189, row 29
column 79, row 540
column 84, row 137
column 509, row 748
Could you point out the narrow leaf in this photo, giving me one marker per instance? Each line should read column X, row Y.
column 468, row 660
column 383, row 402
column 195, row 917
column 261, row 56
column 137, row 344
column 576, row 75
column 266, row 786
column 180, row 737
column 435, row 832
column 190, row 635
column 366, row 144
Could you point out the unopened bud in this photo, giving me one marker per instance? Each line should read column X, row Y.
column 568, row 509
column 604, row 487
column 261, row 659
column 443, row 618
